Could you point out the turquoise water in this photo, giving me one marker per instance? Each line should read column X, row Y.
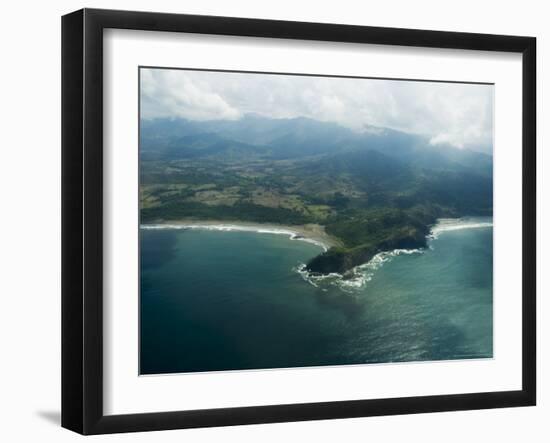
column 213, row 300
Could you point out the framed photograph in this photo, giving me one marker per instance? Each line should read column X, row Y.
column 269, row 221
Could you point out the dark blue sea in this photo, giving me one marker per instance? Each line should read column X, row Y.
column 216, row 300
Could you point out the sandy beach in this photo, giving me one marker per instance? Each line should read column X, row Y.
column 314, row 232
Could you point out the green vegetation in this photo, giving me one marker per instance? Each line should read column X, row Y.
column 368, row 232
column 371, row 192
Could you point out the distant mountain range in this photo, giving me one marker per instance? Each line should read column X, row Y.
column 293, row 138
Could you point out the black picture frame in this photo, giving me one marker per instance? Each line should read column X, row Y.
column 82, row 218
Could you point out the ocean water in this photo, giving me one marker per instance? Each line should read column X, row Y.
column 231, row 300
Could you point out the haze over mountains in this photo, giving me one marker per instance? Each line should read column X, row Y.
column 293, row 138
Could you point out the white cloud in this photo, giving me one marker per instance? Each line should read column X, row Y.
column 458, row 114
column 167, row 93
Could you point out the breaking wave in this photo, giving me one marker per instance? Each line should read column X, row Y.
column 240, row 228
column 357, row 277
column 455, row 224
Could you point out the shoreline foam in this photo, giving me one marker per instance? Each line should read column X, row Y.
column 313, row 234
column 358, row 276
column 457, row 224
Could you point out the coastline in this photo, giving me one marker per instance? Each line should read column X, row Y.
column 312, row 233
column 331, row 262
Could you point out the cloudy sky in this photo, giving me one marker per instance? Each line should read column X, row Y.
column 459, row 114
